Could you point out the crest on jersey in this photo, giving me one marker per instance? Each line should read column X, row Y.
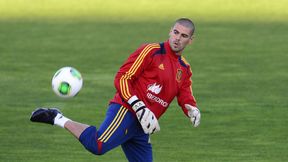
column 179, row 75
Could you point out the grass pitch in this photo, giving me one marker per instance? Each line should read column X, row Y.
column 239, row 75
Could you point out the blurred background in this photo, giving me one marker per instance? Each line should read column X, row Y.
column 239, row 62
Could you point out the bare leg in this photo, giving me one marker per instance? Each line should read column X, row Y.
column 75, row 128
column 54, row 116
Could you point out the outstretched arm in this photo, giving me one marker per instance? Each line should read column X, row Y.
column 187, row 101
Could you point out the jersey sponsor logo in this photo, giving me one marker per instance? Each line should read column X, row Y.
column 179, row 75
column 155, row 88
column 157, row 99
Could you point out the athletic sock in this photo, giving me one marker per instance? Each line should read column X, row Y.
column 60, row 120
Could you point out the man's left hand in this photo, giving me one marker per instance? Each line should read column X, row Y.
column 194, row 114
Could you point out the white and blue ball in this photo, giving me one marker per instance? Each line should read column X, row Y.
column 67, row 82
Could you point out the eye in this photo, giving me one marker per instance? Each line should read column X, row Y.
column 176, row 32
column 185, row 36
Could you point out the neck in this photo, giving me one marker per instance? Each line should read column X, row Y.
column 178, row 53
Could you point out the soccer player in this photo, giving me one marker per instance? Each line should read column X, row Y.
column 146, row 84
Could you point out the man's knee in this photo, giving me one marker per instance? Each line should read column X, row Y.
column 88, row 138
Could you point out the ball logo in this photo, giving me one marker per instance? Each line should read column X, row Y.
column 154, row 88
column 75, row 73
column 64, row 88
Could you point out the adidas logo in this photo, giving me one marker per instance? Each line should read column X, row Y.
column 161, row 66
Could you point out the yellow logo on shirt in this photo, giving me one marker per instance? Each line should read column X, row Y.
column 161, row 66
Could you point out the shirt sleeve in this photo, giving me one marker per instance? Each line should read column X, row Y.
column 185, row 95
column 131, row 69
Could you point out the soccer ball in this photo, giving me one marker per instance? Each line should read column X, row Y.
column 67, row 82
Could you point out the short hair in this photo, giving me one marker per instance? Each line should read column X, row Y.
column 187, row 23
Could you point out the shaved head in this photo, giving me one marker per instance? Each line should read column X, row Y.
column 181, row 35
column 187, row 23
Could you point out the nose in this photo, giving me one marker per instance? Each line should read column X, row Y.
column 178, row 37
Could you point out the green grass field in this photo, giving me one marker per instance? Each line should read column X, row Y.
column 239, row 61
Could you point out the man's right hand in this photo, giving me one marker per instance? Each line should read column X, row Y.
column 145, row 116
column 148, row 120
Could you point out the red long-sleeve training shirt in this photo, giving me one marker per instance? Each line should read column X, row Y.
column 155, row 74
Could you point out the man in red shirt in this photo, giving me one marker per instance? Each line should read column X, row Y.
column 146, row 84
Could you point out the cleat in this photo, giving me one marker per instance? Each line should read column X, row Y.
column 44, row 115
